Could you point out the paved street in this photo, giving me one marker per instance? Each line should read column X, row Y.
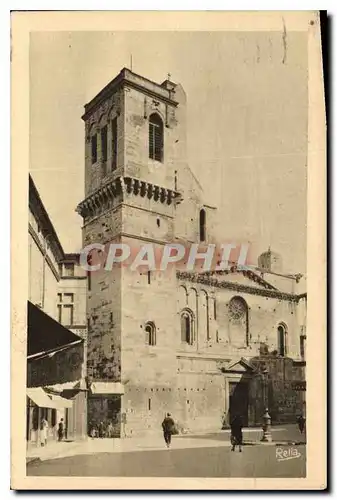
column 206, row 455
column 254, row 461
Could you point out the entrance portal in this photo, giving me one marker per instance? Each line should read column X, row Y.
column 238, row 401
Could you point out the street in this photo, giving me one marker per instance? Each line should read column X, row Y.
column 218, row 461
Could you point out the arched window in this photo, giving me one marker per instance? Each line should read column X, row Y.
column 282, row 340
column 202, row 225
column 187, row 326
column 150, row 333
column 156, row 137
column 238, row 319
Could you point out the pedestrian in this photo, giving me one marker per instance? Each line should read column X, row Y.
column 44, row 432
column 60, row 430
column 168, row 429
column 236, row 432
column 301, row 423
column 101, row 430
column 109, row 430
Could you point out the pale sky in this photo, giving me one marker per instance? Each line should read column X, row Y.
column 247, row 123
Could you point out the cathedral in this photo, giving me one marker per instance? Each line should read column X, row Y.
column 202, row 345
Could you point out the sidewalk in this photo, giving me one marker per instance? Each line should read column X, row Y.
column 252, row 436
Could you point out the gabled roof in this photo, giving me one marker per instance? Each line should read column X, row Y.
column 210, row 279
column 248, row 273
column 239, row 365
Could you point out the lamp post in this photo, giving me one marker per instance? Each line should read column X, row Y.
column 266, row 427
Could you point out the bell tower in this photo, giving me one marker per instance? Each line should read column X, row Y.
column 135, row 156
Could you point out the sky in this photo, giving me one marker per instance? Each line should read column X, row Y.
column 246, row 123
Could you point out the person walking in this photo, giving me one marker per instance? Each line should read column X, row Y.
column 60, row 430
column 101, row 430
column 301, row 423
column 44, row 432
column 109, row 430
column 236, row 433
column 168, row 429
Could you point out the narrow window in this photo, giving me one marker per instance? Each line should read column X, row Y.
column 89, row 261
column 214, row 303
column 114, row 144
column 150, row 334
column 59, row 307
column 68, row 314
column 156, row 138
column 149, row 277
column 104, row 143
column 94, row 149
column 158, row 222
column 66, row 308
column 202, row 224
column 186, row 327
column 281, row 338
column 302, row 346
column 149, row 403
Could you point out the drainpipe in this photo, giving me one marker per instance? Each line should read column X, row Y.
column 44, row 270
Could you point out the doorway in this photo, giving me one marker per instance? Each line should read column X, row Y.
column 238, row 401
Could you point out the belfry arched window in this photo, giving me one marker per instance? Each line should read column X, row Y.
column 156, row 137
column 202, row 225
column 282, row 340
column 187, row 326
column 150, row 333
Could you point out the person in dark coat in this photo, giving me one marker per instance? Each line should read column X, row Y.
column 168, row 429
column 301, row 423
column 236, row 432
column 101, row 430
column 60, row 430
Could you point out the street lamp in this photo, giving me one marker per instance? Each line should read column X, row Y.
column 266, row 427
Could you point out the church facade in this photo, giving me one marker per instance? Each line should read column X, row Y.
column 202, row 345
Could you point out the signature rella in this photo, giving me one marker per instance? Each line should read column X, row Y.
column 287, row 453
column 96, row 257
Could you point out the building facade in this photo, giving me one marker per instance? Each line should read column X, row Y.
column 56, row 363
column 202, row 345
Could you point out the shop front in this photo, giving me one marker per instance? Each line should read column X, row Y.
column 56, row 387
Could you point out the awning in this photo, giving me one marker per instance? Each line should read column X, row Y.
column 40, row 398
column 44, row 400
column 107, row 388
column 79, row 385
column 61, row 402
column 45, row 335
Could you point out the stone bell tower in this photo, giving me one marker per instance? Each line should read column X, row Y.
column 135, row 157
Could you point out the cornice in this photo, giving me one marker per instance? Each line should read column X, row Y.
column 40, row 213
column 117, row 189
column 37, row 241
column 206, row 280
column 127, row 78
